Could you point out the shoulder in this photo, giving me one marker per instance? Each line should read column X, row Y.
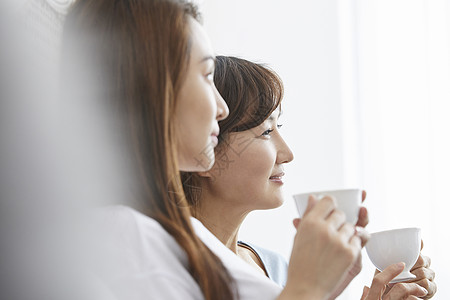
column 130, row 224
column 137, row 241
column 137, row 258
column 124, row 215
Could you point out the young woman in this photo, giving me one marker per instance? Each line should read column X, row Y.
column 151, row 67
column 248, row 173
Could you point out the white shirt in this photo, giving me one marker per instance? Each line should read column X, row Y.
column 143, row 261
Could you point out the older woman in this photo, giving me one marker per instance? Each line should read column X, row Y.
column 248, row 175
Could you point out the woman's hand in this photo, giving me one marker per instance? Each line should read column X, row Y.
column 325, row 247
column 424, row 276
column 355, row 269
column 399, row 291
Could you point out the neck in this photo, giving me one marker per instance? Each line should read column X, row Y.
column 223, row 218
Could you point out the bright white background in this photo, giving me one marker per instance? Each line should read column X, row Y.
column 367, row 104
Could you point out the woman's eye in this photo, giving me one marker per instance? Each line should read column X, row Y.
column 267, row 132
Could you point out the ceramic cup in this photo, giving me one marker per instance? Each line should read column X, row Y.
column 393, row 246
column 348, row 201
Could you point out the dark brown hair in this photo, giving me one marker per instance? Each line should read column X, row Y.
column 143, row 48
column 252, row 92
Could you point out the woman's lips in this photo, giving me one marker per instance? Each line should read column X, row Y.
column 277, row 178
column 214, row 139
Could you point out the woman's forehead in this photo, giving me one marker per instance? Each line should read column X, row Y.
column 201, row 45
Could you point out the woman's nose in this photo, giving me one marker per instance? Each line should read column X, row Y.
column 285, row 154
column 222, row 107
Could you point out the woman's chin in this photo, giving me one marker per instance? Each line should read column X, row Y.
column 273, row 203
column 197, row 163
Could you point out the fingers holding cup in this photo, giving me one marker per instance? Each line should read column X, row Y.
column 380, row 282
column 424, row 275
column 391, row 246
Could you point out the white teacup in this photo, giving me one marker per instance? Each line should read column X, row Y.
column 393, row 246
column 348, row 201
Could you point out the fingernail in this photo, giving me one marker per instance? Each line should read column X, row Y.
column 362, row 231
column 400, row 265
column 424, row 290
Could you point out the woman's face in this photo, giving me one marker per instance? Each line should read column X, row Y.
column 248, row 172
column 199, row 106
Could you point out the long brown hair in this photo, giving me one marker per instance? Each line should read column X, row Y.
column 252, row 92
column 143, row 48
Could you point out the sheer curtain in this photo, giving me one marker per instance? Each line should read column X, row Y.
column 399, row 96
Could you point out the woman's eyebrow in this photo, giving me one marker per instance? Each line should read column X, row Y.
column 207, row 58
column 271, row 118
